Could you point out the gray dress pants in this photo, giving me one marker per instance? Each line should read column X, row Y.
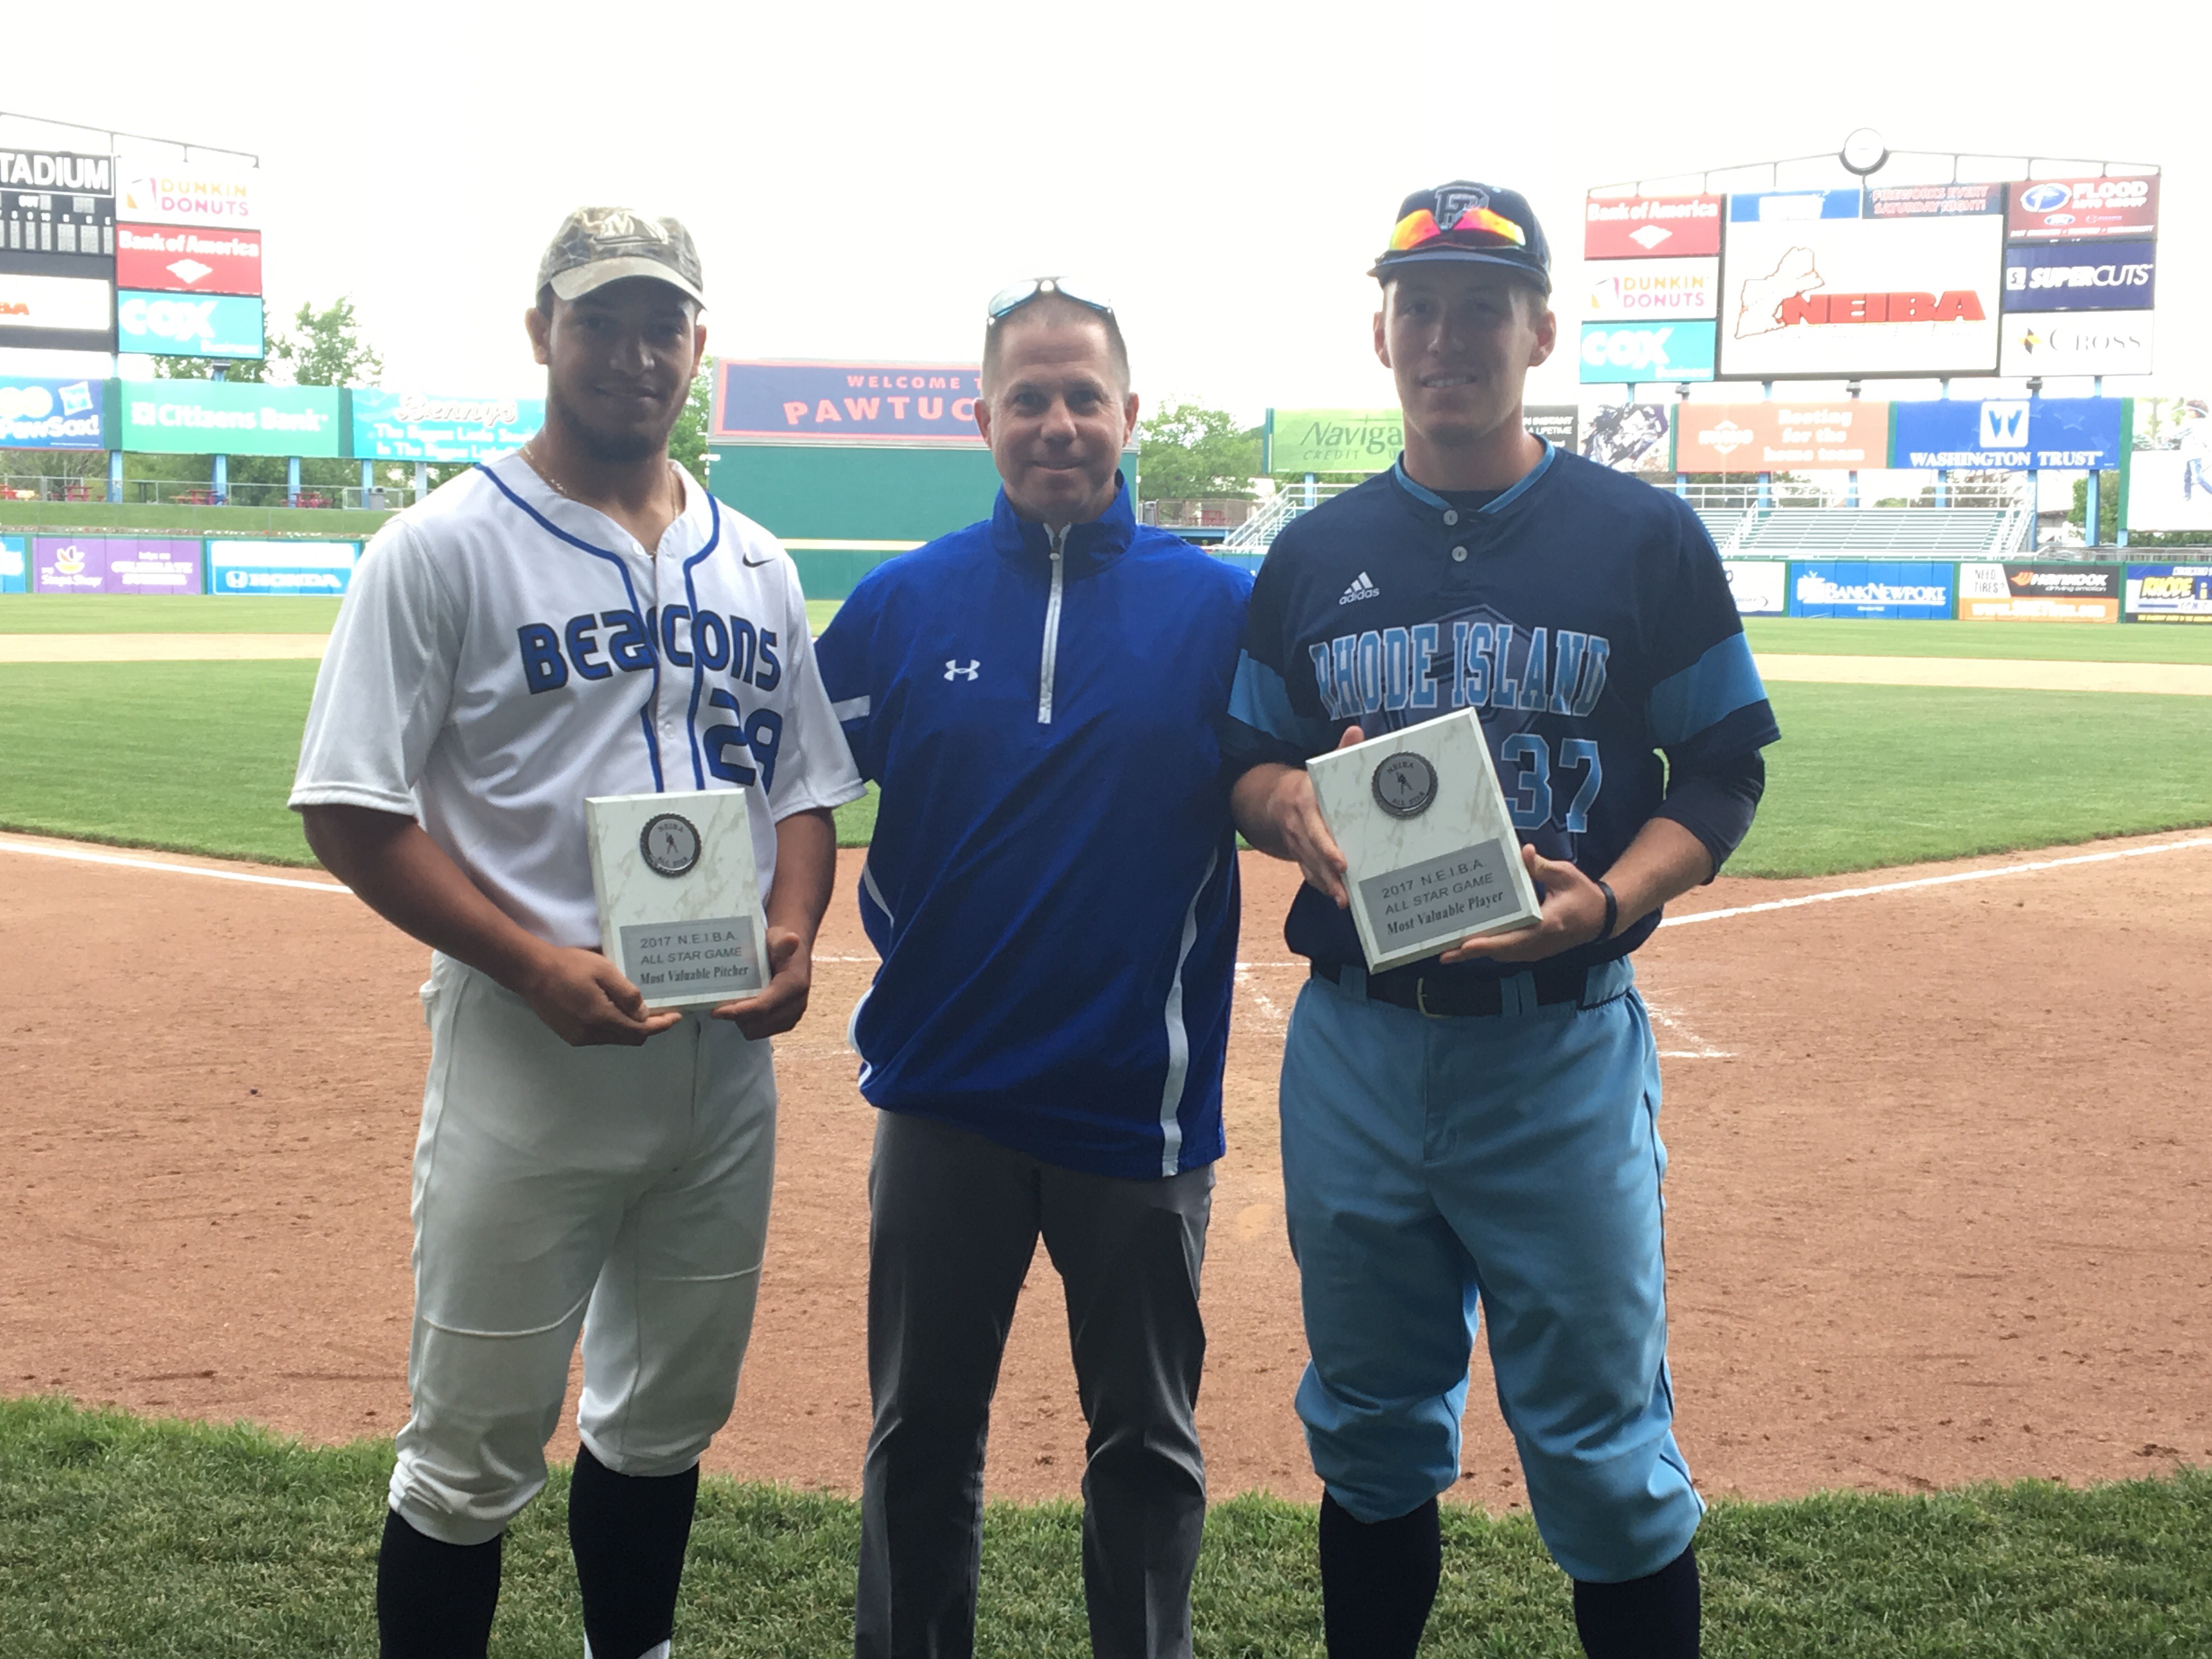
column 953, row 1221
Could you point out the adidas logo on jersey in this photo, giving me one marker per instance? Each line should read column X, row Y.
column 1362, row 588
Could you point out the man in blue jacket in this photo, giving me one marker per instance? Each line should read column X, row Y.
column 1053, row 888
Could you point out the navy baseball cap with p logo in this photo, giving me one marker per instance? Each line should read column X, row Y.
column 1467, row 223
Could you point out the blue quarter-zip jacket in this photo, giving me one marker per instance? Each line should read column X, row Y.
column 1052, row 880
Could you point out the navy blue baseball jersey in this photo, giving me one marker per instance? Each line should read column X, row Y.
column 1582, row 611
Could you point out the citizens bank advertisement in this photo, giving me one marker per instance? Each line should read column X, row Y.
column 229, row 417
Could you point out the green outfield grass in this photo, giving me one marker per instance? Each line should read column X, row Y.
column 2041, row 641
column 198, row 757
column 146, row 613
column 120, row 1536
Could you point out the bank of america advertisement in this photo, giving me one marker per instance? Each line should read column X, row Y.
column 1834, row 298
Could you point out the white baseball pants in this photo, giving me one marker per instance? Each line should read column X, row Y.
column 620, row 1192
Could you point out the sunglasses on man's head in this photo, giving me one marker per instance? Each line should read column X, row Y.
column 1008, row 301
column 1474, row 228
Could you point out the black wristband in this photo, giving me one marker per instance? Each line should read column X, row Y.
column 1612, row 912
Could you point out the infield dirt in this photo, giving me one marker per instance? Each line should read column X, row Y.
column 1940, row 1199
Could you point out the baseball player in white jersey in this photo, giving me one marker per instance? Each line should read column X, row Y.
column 581, row 618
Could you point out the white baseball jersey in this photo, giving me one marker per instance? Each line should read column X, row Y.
column 504, row 652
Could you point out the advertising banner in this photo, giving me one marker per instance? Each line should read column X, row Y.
column 1638, row 226
column 162, row 326
column 1630, row 437
column 1333, row 440
column 1932, row 201
column 243, row 569
column 42, row 414
column 1562, row 424
column 2076, row 343
column 1913, row 589
column 15, row 565
column 185, row 259
column 228, row 417
column 1623, row 353
column 846, row 403
column 2008, row 435
column 2067, row 276
column 115, row 564
column 2172, row 423
column 56, row 313
column 1845, row 298
column 1761, row 586
column 408, row 426
column 2039, row 592
column 2045, row 210
column 1781, row 435
column 1766, row 207
column 57, row 213
column 2171, row 488
column 2169, row 592
column 156, row 188
column 1629, row 289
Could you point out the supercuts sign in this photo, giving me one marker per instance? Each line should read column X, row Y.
column 1647, row 227
column 2048, row 209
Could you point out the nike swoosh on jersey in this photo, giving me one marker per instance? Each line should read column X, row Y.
column 766, row 558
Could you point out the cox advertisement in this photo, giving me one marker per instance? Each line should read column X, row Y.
column 229, row 417
column 280, row 570
column 2046, row 210
column 1770, row 437
column 1626, row 289
column 847, row 402
column 1761, row 586
column 2076, row 343
column 37, row 414
column 2039, row 592
column 407, row 426
column 2105, row 276
column 1333, row 440
column 14, row 571
column 174, row 259
column 2009, row 434
column 1638, row 227
column 56, row 313
column 1916, row 589
column 1839, row 298
column 1623, row 353
column 114, row 564
column 2170, row 592
column 163, row 325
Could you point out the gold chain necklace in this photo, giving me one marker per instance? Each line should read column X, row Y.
column 537, row 465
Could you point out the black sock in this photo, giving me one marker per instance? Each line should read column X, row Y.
column 434, row 1600
column 1378, row 1580
column 1651, row 1617
column 628, row 1532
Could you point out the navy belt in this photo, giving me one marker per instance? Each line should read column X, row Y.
column 1455, row 996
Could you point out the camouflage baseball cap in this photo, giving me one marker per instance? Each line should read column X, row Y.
column 596, row 245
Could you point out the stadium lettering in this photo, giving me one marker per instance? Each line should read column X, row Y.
column 89, row 173
column 1953, row 306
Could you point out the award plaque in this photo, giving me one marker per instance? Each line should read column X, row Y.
column 679, row 900
column 1432, row 854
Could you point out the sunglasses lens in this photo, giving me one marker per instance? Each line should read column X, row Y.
column 1012, row 298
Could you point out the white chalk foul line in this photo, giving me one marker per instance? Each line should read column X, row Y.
column 1938, row 881
column 174, row 869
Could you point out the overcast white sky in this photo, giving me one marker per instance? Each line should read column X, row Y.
column 860, row 178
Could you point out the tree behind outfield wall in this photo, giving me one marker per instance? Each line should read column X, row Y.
column 1188, row 453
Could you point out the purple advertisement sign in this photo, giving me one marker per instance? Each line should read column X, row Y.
column 846, row 403
column 115, row 564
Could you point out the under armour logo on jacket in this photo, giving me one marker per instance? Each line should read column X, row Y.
column 955, row 669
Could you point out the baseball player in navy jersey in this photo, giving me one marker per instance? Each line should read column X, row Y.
column 578, row 619
column 1476, row 1134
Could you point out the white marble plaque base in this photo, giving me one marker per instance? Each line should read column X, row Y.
column 684, row 924
column 1445, row 871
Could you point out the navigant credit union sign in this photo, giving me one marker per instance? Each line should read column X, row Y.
column 838, row 403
